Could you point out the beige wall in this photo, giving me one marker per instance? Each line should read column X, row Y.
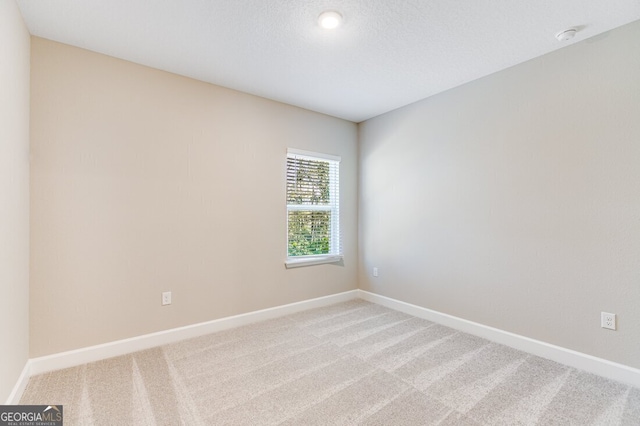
column 14, row 196
column 144, row 181
column 514, row 200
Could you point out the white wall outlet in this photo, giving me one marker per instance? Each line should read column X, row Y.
column 608, row 320
column 166, row 298
column 375, row 271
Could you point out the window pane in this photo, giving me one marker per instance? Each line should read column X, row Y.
column 307, row 181
column 309, row 232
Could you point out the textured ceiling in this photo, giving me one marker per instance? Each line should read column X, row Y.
column 387, row 53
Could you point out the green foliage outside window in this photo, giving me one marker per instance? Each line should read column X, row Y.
column 309, row 233
column 308, row 184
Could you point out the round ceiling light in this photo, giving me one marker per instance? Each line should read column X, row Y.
column 329, row 19
column 566, row 34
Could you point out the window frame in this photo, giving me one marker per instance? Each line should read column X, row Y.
column 335, row 241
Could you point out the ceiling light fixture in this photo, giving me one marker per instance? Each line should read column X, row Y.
column 329, row 19
column 566, row 34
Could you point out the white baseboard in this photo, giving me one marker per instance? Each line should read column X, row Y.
column 20, row 386
column 581, row 361
column 121, row 347
column 599, row 366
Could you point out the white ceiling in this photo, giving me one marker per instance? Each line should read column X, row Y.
column 387, row 53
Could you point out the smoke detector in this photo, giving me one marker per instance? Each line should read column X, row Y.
column 566, row 34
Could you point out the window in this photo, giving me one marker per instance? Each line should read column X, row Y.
column 313, row 213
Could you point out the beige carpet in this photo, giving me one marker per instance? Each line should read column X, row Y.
column 351, row 363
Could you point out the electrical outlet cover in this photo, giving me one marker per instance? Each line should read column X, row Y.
column 608, row 320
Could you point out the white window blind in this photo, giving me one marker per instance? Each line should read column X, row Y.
column 313, row 205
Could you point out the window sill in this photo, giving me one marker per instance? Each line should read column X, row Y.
column 297, row 262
